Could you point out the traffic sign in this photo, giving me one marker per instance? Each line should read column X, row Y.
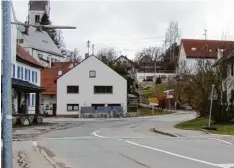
column 215, row 96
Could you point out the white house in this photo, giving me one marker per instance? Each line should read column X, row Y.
column 38, row 43
column 192, row 50
column 91, row 83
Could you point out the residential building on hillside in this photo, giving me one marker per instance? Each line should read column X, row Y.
column 48, row 82
column 192, row 50
column 37, row 42
column 86, row 86
column 149, row 69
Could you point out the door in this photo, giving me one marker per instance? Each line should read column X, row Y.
column 54, row 109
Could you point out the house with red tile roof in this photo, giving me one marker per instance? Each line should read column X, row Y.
column 48, row 82
column 26, row 83
column 192, row 50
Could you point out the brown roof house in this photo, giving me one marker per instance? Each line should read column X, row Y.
column 192, row 50
column 48, row 82
column 26, row 86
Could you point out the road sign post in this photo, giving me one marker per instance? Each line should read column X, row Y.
column 211, row 103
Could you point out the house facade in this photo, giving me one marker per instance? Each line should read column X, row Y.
column 227, row 58
column 26, row 82
column 90, row 84
column 192, row 50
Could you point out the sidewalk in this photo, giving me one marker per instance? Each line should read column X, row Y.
column 168, row 128
column 25, row 155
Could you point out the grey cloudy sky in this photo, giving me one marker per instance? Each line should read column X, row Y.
column 132, row 25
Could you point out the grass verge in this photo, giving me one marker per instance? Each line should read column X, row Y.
column 196, row 124
column 148, row 112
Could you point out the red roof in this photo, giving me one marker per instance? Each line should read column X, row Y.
column 204, row 48
column 23, row 54
column 50, row 75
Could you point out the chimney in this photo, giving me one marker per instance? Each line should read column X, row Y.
column 26, row 27
column 50, row 61
column 86, row 55
column 220, row 53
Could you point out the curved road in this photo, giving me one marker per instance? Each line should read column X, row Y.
column 129, row 143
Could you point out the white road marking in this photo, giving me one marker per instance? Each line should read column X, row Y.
column 174, row 154
column 229, row 165
column 95, row 134
column 171, row 153
column 226, row 142
column 35, row 144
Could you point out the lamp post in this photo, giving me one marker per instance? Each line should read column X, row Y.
column 6, row 85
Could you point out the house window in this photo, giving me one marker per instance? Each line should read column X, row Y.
column 18, row 72
column 72, row 107
column 20, row 41
column 22, row 73
column 29, row 75
column 72, row 89
column 13, row 69
column 103, row 89
column 92, row 74
column 37, row 18
column 35, row 77
column 26, row 74
column 40, row 56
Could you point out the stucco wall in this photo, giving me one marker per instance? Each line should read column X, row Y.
column 80, row 76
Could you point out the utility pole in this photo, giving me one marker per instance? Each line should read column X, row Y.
column 88, row 45
column 205, row 34
column 93, row 49
column 6, row 85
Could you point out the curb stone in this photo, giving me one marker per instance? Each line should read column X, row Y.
column 165, row 133
column 205, row 131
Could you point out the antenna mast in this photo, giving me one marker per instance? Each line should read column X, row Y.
column 88, row 45
column 205, row 34
column 93, row 49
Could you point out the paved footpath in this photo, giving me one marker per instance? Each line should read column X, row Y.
column 25, row 155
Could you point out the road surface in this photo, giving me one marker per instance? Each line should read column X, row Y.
column 129, row 143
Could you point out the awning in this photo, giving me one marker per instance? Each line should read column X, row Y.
column 25, row 86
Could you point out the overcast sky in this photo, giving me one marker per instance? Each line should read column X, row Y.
column 132, row 25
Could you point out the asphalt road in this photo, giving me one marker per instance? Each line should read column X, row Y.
column 129, row 143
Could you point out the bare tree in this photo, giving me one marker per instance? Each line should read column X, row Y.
column 153, row 53
column 107, row 55
column 172, row 36
column 73, row 56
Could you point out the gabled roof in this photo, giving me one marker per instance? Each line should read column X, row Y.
column 49, row 76
column 39, row 40
column 85, row 60
column 125, row 57
column 195, row 48
column 25, row 57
